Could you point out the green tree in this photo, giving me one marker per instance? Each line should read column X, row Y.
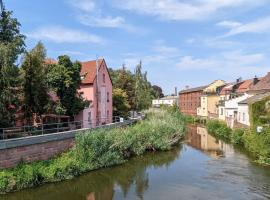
column 120, row 102
column 157, row 91
column 35, row 88
column 11, row 46
column 143, row 89
column 64, row 78
column 125, row 80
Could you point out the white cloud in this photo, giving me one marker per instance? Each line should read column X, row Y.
column 229, row 24
column 182, row 10
column 227, row 63
column 259, row 26
column 108, row 21
column 64, row 35
column 84, row 5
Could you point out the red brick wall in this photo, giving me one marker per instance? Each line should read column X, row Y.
column 43, row 151
column 189, row 102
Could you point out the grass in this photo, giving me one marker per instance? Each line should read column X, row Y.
column 98, row 149
column 257, row 144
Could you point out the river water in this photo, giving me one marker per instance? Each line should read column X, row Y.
column 202, row 168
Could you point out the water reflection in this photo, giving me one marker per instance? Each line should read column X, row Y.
column 205, row 168
column 103, row 184
column 199, row 138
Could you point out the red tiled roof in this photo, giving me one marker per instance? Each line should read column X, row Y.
column 89, row 70
column 263, row 84
column 50, row 61
column 245, row 86
column 227, row 88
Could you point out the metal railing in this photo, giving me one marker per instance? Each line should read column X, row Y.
column 41, row 129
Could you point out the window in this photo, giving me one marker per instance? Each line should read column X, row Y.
column 221, row 111
column 108, row 115
column 103, row 77
column 239, row 116
column 89, row 117
column 108, row 97
column 244, row 117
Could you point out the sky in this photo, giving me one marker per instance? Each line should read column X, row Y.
column 180, row 42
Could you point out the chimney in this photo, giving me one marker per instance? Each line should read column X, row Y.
column 255, row 80
column 175, row 91
column 238, row 80
column 186, row 87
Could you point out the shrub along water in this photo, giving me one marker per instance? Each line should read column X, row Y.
column 257, row 144
column 99, row 148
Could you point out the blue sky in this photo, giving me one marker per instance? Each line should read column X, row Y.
column 180, row 42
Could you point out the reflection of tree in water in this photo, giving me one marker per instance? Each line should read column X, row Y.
column 100, row 184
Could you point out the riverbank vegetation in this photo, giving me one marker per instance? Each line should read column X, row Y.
column 256, row 143
column 99, row 148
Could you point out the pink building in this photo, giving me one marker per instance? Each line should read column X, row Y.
column 98, row 91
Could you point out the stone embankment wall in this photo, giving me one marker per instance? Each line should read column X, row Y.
column 42, row 147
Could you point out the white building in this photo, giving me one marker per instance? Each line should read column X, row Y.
column 231, row 109
column 168, row 100
column 243, row 107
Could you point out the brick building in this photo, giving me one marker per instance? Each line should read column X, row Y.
column 190, row 100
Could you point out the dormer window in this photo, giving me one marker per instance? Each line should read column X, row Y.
column 83, row 76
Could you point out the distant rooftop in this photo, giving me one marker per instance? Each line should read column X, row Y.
column 169, row 97
column 193, row 89
column 263, row 84
column 255, row 98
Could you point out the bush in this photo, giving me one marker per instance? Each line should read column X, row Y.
column 99, row 148
column 259, row 145
column 219, row 129
column 237, row 136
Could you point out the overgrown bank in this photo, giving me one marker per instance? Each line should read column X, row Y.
column 257, row 144
column 97, row 149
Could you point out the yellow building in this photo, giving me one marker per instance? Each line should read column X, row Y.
column 209, row 100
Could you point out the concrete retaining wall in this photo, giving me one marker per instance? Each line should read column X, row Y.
column 42, row 147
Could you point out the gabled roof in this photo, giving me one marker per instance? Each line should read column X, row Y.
column 255, row 98
column 227, row 88
column 263, row 84
column 196, row 89
column 89, row 70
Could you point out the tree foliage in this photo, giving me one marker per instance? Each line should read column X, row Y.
column 138, row 89
column 35, row 88
column 11, row 46
column 120, row 102
column 64, row 78
column 157, row 91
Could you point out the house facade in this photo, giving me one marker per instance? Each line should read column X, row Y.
column 190, row 100
column 243, row 107
column 209, row 100
column 96, row 87
column 168, row 100
column 230, row 95
column 232, row 109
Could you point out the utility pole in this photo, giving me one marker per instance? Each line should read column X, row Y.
column 97, row 66
column 1, row 5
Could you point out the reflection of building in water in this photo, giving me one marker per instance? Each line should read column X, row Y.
column 209, row 143
column 106, row 194
column 199, row 138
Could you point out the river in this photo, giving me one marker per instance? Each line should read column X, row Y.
column 201, row 168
